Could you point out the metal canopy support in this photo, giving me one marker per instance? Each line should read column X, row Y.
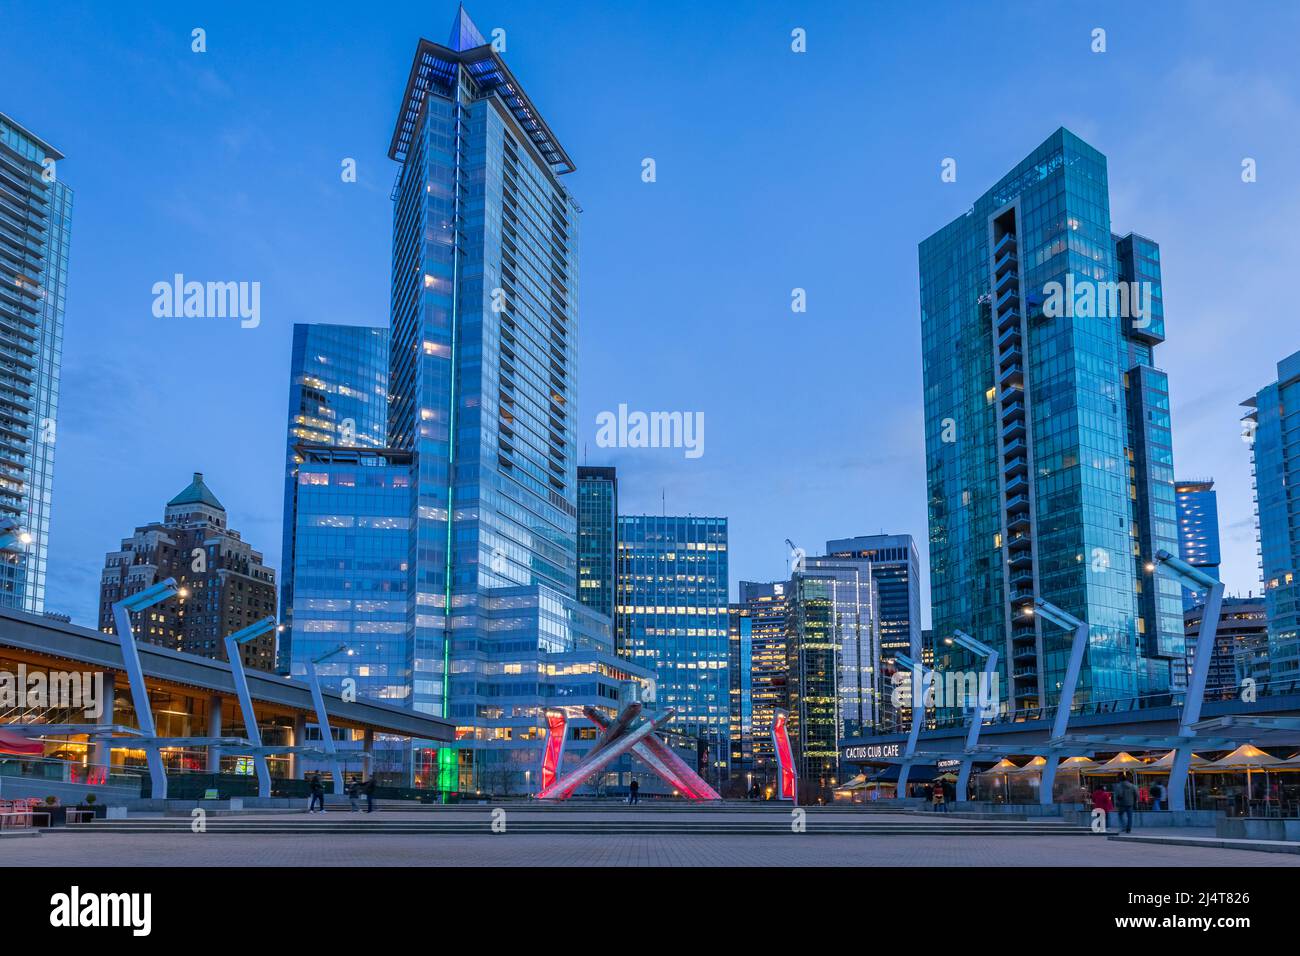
column 233, row 641
column 962, row 639
column 122, row 611
column 1193, row 579
column 323, row 718
column 918, row 715
column 1063, row 705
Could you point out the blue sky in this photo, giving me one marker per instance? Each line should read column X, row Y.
column 775, row 170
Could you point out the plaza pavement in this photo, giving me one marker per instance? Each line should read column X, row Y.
column 968, row 845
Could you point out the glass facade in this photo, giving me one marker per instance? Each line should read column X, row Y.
column 1049, row 469
column 597, row 537
column 35, row 229
column 338, row 397
column 673, row 620
column 757, row 679
column 1198, row 531
column 351, row 513
column 1274, row 424
column 812, row 664
column 482, row 394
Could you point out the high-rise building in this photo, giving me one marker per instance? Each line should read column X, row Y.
column 673, row 619
column 224, row 586
column 597, row 538
column 338, row 397
column 757, row 669
column 813, row 647
column 1273, row 426
column 482, row 395
column 1198, row 531
column 1240, row 645
column 35, row 228
column 878, row 615
column 1049, row 469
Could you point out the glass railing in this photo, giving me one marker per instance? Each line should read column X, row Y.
column 54, row 770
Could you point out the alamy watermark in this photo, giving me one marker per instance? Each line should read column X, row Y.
column 626, row 429
column 208, row 300
column 46, row 690
column 956, row 689
column 1083, row 298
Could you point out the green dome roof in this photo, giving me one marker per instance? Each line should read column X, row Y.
column 197, row 494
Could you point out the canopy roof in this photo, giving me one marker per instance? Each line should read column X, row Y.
column 1247, row 756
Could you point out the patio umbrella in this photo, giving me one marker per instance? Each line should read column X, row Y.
column 1166, row 763
column 1249, row 758
column 1003, row 768
column 1121, row 763
column 11, row 743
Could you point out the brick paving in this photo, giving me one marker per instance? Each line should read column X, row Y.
column 358, row 850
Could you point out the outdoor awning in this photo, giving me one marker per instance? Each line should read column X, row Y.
column 1077, row 764
column 1166, row 764
column 1034, row 766
column 1245, row 757
column 1120, row 763
column 919, row 772
column 13, row 744
column 1003, row 766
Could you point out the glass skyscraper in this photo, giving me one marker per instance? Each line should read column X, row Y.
column 597, row 537
column 35, row 227
column 672, row 616
column 482, row 395
column 1274, row 424
column 338, row 397
column 758, row 673
column 1048, row 458
column 1198, row 531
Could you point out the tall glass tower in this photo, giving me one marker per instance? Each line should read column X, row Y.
column 597, row 537
column 1048, row 457
column 482, row 394
column 35, row 226
column 1274, row 424
column 338, row 398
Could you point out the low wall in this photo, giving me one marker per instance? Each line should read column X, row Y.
column 1152, row 818
column 69, row 794
column 1258, row 828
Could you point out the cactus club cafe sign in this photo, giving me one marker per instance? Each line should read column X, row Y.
column 864, row 752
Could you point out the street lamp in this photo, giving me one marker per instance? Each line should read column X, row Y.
column 122, row 611
column 979, row 649
column 1054, row 614
column 250, row 633
column 322, row 718
column 1194, row 579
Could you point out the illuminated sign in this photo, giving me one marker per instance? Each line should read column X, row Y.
column 873, row 752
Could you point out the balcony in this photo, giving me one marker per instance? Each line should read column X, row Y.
column 1014, row 430
column 1017, row 485
column 1019, row 521
column 1008, row 296
column 1010, row 319
column 1016, row 409
column 1016, row 466
column 1021, row 559
column 1013, row 374
column 1005, row 261
column 1008, row 241
column 1007, row 280
column 1018, row 503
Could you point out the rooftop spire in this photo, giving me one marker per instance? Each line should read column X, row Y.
column 464, row 35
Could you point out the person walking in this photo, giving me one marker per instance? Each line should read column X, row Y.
column 1157, row 796
column 317, row 794
column 634, row 792
column 936, row 796
column 368, row 788
column 1126, row 796
column 354, row 795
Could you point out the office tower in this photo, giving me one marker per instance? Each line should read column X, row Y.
column 1198, row 531
column 35, row 226
column 597, row 538
column 1273, row 426
column 1240, row 645
column 482, row 394
column 225, row 587
column 876, row 623
column 812, row 679
column 757, row 669
column 338, row 397
column 1048, row 461
column 672, row 619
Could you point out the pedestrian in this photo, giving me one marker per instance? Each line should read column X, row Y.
column 317, row 794
column 368, row 788
column 936, row 796
column 634, row 792
column 1157, row 796
column 1125, row 799
column 354, row 795
column 1101, row 799
column 1144, row 797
